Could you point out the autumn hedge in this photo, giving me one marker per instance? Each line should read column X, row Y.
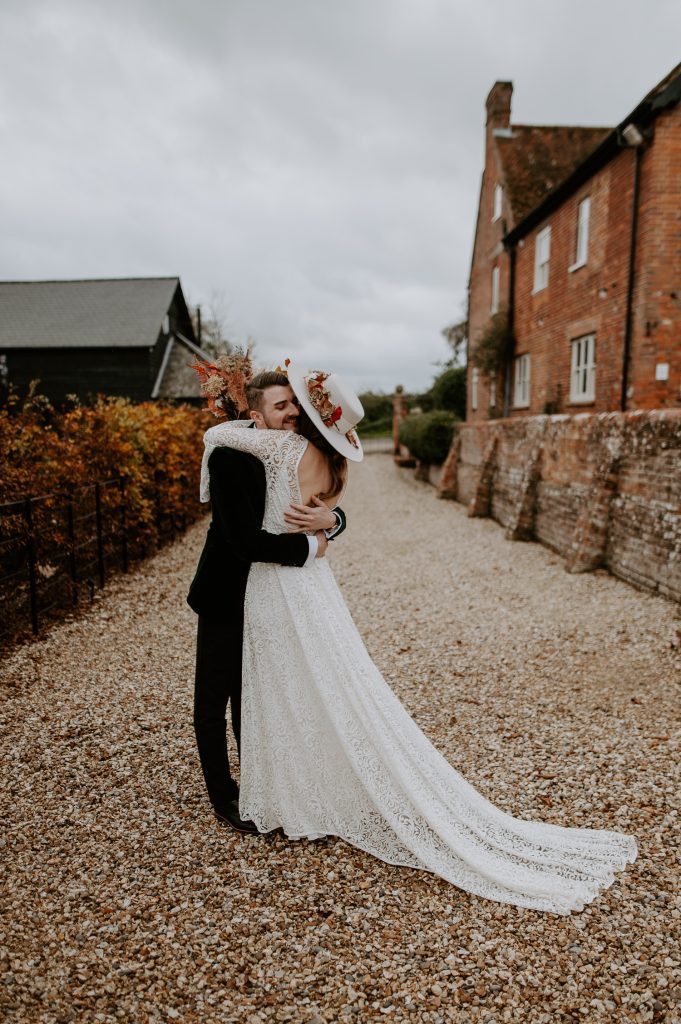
column 44, row 451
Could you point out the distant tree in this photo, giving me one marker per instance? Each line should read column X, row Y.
column 215, row 327
column 456, row 336
column 376, row 405
column 378, row 414
column 421, row 401
column 449, row 391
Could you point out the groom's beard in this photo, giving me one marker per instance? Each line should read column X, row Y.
column 290, row 423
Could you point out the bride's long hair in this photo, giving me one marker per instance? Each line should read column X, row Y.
column 337, row 463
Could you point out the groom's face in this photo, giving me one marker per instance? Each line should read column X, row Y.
column 279, row 409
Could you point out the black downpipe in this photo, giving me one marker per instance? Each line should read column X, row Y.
column 628, row 320
column 511, row 338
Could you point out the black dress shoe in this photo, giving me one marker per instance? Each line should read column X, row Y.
column 229, row 813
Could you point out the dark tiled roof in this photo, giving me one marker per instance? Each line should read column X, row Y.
column 536, row 158
column 120, row 313
column 668, row 91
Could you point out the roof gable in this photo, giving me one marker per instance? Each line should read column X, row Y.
column 536, row 158
column 118, row 313
column 666, row 94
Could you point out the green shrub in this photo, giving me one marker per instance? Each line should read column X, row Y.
column 422, row 401
column 376, row 405
column 378, row 414
column 449, row 391
column 376, row 428
column 428, row 435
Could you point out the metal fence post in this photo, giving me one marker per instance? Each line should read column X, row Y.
column 157, row 496
column 72, row 551
column 100, row 536
column 124, row 525
column 30, row 551
column 184, row 487
column 173, row 522
column 58, row 546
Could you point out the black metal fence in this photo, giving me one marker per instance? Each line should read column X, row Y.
column 56, row 550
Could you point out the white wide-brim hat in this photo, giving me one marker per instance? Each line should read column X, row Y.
column 314, row 388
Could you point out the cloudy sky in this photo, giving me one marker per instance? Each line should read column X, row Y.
column 309, row 168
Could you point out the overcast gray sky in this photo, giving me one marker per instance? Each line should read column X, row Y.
column 309, row 167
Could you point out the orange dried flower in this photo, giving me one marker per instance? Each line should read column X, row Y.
column 224, row 383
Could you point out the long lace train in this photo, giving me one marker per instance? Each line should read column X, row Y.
column 328, row 749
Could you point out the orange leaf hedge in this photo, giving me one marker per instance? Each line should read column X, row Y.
column 43, row 451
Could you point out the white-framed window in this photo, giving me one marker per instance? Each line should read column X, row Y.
column 521, row 389
column 165, row 326
column 542, row 254
column 496, row 209
column 474, row 388
column 582, row 247
column 493, row 391
column 494, row 304
column 583, row 370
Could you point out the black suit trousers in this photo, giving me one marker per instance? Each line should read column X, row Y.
column 219, row 646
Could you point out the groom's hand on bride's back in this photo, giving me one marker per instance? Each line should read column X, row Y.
column 309, row 519
column 322, row 543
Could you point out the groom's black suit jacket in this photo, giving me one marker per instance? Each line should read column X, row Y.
column 235, row 536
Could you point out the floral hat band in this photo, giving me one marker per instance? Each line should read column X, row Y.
column 319, row 396
column 332, row 405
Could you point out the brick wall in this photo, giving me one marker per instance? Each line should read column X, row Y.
column 600, row 489
column 587, row 300
column 488, row 249
column 657, row 294
column 592, row 298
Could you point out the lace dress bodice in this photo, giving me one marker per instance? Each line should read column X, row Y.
column 280, row 452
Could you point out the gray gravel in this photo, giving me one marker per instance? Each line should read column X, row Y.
column 556, row 695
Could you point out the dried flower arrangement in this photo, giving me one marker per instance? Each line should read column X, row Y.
column 224, row 383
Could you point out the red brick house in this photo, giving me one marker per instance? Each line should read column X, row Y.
column 578, row 243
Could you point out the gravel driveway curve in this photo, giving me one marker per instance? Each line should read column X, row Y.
column 556, row 695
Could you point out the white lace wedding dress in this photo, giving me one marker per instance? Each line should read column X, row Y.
column 327, row 748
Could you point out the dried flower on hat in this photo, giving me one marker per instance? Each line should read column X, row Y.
column 319, row 397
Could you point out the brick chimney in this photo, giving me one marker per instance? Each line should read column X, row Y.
column 498, row 105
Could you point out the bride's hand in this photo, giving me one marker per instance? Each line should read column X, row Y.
column 304, row 519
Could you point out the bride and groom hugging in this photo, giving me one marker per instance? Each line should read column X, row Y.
column 325, row 746
column 235, row 540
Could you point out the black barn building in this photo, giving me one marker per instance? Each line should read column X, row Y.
column 130, row 337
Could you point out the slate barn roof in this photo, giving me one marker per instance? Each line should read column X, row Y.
column 123, row 313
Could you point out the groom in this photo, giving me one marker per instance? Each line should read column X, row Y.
column 235, row 539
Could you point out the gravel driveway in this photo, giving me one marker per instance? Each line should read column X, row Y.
column 556, row 695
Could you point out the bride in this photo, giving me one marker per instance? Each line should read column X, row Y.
column 326, row 746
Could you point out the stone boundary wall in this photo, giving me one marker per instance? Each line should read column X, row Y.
column 602, row 490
